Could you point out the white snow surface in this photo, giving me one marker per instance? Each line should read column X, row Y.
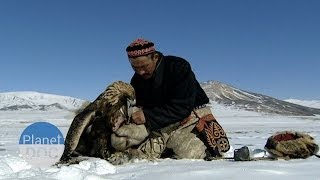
column 242, row 127
column 312, row 103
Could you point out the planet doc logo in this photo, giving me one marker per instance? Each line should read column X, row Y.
column 41, row 144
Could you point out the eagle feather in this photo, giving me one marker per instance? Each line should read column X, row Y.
column 90, row 130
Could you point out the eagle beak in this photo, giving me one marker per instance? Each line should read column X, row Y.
column 130, row 108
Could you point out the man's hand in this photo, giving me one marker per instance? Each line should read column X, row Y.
column 138, row 117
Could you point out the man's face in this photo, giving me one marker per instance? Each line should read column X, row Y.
column 144, row 65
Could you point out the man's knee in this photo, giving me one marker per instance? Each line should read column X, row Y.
column 153, row 147
column 186, row 145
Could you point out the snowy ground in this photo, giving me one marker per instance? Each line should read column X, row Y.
column 243, row 128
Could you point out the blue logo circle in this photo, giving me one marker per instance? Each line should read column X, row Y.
column 41, row 133
column 41, row 144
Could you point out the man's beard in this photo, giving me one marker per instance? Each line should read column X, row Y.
column 146, row 76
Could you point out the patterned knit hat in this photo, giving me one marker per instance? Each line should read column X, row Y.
column 140, row 47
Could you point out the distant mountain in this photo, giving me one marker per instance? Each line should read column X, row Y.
column 231, row 96
column 218, row 92
column 24, row 100
column 312, row 104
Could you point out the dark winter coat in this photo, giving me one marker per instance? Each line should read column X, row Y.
column 170, row 94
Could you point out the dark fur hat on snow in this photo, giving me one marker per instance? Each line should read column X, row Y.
column 289, row 145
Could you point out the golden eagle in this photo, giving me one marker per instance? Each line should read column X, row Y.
column 90, row 130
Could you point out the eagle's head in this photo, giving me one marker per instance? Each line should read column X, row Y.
column 118, row 97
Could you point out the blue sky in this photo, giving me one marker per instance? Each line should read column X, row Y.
column 77, row 48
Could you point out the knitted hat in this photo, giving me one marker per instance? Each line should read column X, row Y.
column 140, row 47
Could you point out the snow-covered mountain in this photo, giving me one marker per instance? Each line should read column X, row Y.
column 231, row 96
column 218, row 92
column 312, row 104
column 37, row 101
